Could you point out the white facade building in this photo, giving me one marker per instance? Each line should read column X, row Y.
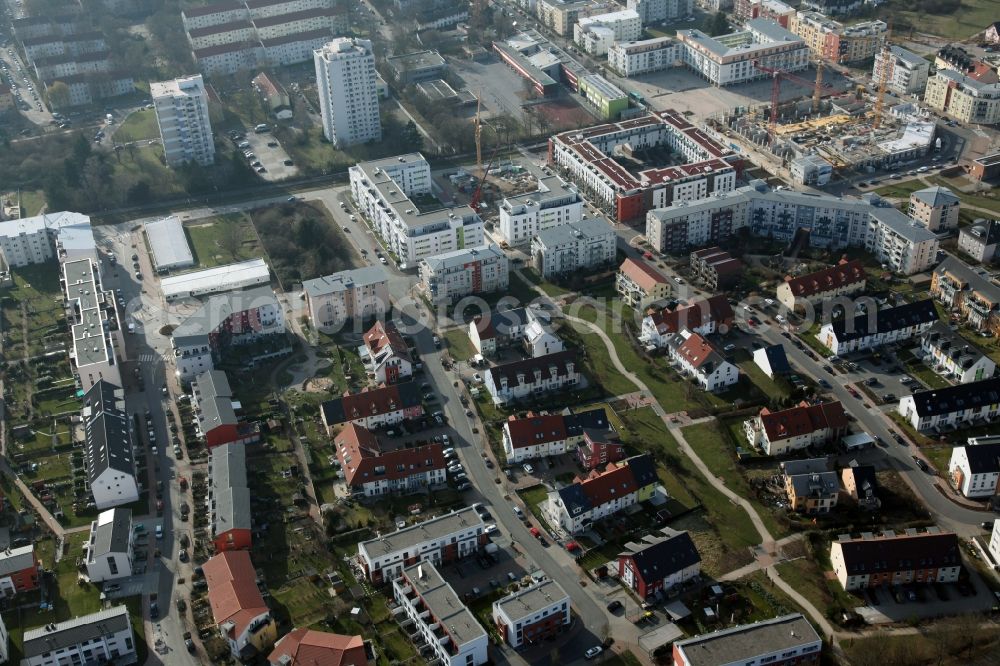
column 108, row 454
column 101, row 637
column 359, row 293
column 730, row 59
column 449, row 276
column 382, row 190
column 870, row 330
column 109, row 549
column 654, row 11
column 696, row 357
column 907, row 71
column 572, row 247
column 643, row 56
column 576, row 506
column 182, row 115
column 953, row 357
column 437, row 541
column 952, row 407
column 555, row 203
column 974, row 469
column 33, row 240
column 778, row 433
column 451, row 631
column 532, row 613
column 596, row 34
column 517, row 380
column 348, row 99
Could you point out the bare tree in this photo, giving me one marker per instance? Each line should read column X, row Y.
column 231, row 240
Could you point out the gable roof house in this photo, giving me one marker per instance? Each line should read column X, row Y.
column 215, row 412
column 107, row 453
column 702, row 317
column 510, row 382
column 640, row 284
column 385, row 354
column 974, row 469
column 659, row 562
column 779, row 433
column 772, row 360
column 229, row 498
column 843, row 279
column 953, row 357
column 544, row 435
column 871, row 560
column 601, row 494
column 871, row 330
column 953, row 406
column 374, row 408
column 308, row 647
column 371, row 471
column 698, row 358
column 243, row 619
column 861, row 485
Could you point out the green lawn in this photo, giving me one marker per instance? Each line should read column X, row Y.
column 31, row 202
column 715, row 449
column 765, row 384
column 808, row 578
column 459, row 345
column 904, row 189
column 212, row 240
column 140, row 125
column 968, row 18
column 939, row 457
column 900, row 190
column 917, row 368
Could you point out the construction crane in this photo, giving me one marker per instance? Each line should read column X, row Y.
column 818, row 89
column 479, row 134
column 776, row 76
column 883, row 79
column 474, row 204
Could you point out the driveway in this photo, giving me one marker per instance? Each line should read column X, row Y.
column 272, row 156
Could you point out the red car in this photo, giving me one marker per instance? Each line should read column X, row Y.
column 647, row 255
column 572, row 546
column 535, row 532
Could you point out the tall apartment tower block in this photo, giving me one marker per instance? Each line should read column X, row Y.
column 182, row 114
column 348, row 98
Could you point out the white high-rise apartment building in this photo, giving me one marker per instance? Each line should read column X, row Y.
column 348, row 99
column 182, row 113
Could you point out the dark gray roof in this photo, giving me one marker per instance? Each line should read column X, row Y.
column 983, row 458
column 956, row 398
column 951, row 344
column 744, row 642
column 214, row 400
column 73, row 632
column 114, row 528
column 884, row 321
column 777, row 359
column 106, row 427
column 984, row 231
column 660, row 557
column 230, row 496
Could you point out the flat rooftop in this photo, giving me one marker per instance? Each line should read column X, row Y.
column 429, row 530
column 446, row 608
column 744, row 642
column 168, row 243
column 218, row 278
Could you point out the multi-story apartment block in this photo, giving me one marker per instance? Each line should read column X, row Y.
column 238, row 608
column 526, row 616
column 585, row 156
column 385, row 354
column 796, row 428
column 436, row 541
column 20, row 571
column 658, row 563
column 789, row 640
column 963, row 97
column 234, row 32
column 517, row 380
column 87, row 88
column 560, row 16
column 968, row 292
column 577, row 246
column 34, row 240
column 110, row 546
column 974, row 469
column 904, row 246
column 812, row 493
column 654, row 11
column 596, row 34
column 576, row 506
column 358, row 293
column 101, row 637
column 697, row 357
column 907, row 73
column 643, row 56
column 701, row 317
column 228, row 59
column 214, row 408
column 952, row 407
column 872, row 560
column 374, row 408
column 228, row 500
column 55, row 67
column 449, row 276
column 55, row 45
column 775, row 10
column 833, row 41
column 936, row 208
column 382, row 190
column 108, row 456
column 980, row 240
column 844, row 279
column 348, row 100
column 182, row 114
column 640, row 285
column 953, row 357
column 299, row 22
column 554, row 203
column 371, row 470
column 878, row 327
column 218, row 13
column 295, row 48
column 502, row 328
column 716, row 268
column 94, row 323
column 224, row 321
column 451, row 631
column 731, row 59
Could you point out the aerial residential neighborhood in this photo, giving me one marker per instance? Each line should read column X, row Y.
column 370, row 332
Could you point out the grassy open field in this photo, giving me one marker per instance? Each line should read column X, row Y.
column 140, row 125
column 31, row 202
column 969, row 18
column 459, row 345
column 903, row 190
column 213, row 240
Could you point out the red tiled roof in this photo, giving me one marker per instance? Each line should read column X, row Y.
column 307, row 647
column 602, row 487
column 370, row 402
column 232, row 590
column 696, row 350
column 644, row 275
column 802, row 419
column 359, row 454
column 535, row 430
column 383, row 335
column 843, row 274
column 716, row 309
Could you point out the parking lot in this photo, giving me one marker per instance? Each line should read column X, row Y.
column 502, row 89
column 904, row 602
column 272, row 157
